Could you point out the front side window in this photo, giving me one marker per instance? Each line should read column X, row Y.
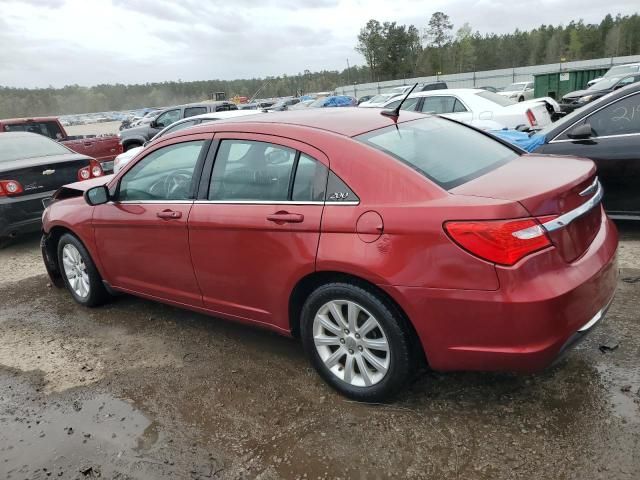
column 250, row 170
column 191, row 111
column 167, row 118
column 446, row 152
column 164, row 174
column 619, row 118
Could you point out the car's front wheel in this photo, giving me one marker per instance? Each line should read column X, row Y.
column 79, row 272
column 356, row 341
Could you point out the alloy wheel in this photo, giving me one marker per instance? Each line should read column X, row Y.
column 75, row 270
column 351, row 343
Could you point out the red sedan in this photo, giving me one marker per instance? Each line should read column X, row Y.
column 379, row 241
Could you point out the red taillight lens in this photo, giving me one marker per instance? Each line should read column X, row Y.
column 92, row 171
column 499, row 241
column 9, row 188
column 532, row 118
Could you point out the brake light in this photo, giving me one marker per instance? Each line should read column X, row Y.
column 92, row 171
column 500, row 241
column 9, row 188
column 532, row 118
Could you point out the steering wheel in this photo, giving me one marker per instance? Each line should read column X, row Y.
column 175, row 184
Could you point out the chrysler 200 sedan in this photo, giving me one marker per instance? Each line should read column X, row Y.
column 380, row 241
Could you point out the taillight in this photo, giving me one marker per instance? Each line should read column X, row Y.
column 500, row 241
column 92, row 171
column 9, row 188
column 532, row 118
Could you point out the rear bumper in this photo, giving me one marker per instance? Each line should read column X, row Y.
column 21, row 214
column 539, row 313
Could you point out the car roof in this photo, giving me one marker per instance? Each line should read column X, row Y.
column 347, row 121
column 21, row 134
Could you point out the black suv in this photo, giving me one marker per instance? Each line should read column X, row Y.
column 137, row 136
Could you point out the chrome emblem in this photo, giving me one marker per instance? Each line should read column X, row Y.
column 590, row 189
column 339, row 196
column 48, row 172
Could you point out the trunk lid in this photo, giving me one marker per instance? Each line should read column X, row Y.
column 44, row 174
column 538, row 109
column 546, row 186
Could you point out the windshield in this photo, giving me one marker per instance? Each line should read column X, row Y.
column 18, row 147
column 445, row 152
column 621, row 70
column 604, row 84
column 515, row 87
column 495, row 98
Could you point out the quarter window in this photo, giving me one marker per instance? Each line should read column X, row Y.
column 165, row 174
column 249, row 170
column 619, row 118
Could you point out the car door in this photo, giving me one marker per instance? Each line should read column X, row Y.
column 255, row 227
column 142, row 235
column 614, row 145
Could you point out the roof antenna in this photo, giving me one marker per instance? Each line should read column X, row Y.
column 396, row 111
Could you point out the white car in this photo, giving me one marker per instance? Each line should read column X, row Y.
column 380, row 99
column 519, row 91
column 121, row 160
column 617, row 71
column 477, row 107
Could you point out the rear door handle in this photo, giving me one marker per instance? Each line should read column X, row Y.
column 168, row 214
column 88, row 144
column 285, row 217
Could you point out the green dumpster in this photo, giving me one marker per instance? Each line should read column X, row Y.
column 558, row 84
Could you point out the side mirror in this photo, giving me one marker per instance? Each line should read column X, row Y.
column 153, row 124
column 618, row 86
column 581, row 132
column 97, row 195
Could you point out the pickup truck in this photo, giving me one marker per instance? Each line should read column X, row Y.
column 138, row 136
column 102, row 148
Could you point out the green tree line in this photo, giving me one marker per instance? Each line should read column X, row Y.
column 394, row 51
column 391, row 51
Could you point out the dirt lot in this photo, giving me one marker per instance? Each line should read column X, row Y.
column 94, row 128
column 141, row 390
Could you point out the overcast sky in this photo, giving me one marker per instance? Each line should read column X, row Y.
column 88, row 42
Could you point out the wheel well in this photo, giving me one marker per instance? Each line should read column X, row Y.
column 314, row 280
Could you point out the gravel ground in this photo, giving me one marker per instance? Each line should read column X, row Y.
column 104, row 128
column 138, row 390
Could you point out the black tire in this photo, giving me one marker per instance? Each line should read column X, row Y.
column 129, row 146
column 394, row 328
column 97, row 294
column 521, row 99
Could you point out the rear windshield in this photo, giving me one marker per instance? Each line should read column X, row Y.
column 14, row 147
column 445, row 152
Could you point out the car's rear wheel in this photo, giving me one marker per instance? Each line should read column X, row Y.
column 356, row 341
column 521, row 99
column 79, row 272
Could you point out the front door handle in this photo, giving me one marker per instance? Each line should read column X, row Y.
column 285, row 217
column 169, row 214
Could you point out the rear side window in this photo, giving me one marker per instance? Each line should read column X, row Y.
column 48, row 129
column 310, row 182
column 445, row 152
column 191, row 111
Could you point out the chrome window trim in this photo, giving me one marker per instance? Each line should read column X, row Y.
column 590, row 189
column 272, row 202
column 132, row 202
column 565, row 219
column 593, row 138
column 589, row 115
